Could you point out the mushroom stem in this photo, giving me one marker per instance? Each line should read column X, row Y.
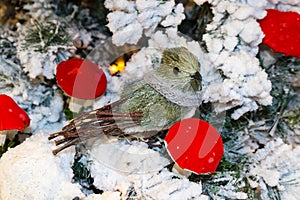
column 181, row 171
column 2, row 137
column 4, row 134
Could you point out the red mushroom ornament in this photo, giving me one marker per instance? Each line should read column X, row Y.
column 81, row 78
column 12, row 117
column 282, row 32
column 195, row 145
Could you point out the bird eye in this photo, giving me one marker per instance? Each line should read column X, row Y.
column 176, row 70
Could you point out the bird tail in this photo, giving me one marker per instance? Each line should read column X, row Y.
column 94, row 124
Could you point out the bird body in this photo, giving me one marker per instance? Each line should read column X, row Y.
column 166, row 95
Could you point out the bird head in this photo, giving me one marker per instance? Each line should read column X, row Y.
column 181, row 68
column 178, row 77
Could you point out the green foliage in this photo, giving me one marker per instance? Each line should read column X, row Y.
column 97, row 11
column 195, row 23
column 9, row 143
column 231, row 127
column 131, row 193
column 227, row 173
column 252, row 193
column 69, row 114
column 284, row 113
column 293, row 118
column 273, row 193
column 42, row 36
column 81, row 172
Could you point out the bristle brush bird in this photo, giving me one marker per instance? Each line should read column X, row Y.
column 166, row 95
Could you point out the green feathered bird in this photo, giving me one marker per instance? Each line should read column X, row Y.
column 165, row 96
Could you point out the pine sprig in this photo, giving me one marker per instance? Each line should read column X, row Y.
column 285, row 107
column 46, row 35
column 82, row 174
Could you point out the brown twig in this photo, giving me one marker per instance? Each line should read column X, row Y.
column 94, row 124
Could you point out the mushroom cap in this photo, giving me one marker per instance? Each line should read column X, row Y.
column 12, row 117
column 81, row 78
column 282, row 32
column 195, row 145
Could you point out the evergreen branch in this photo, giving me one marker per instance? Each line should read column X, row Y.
column 43, row 36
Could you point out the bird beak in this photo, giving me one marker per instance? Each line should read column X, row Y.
column 197, row 76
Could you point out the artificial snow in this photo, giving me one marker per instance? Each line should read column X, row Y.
column 246, row 85
column 277, row 165
column 30, row 171
column 44, row 105
column 129, row 20
column 37, row 63
column 123, row 166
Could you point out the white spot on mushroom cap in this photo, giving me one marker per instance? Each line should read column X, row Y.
column 210, row 160
column 22, row 116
